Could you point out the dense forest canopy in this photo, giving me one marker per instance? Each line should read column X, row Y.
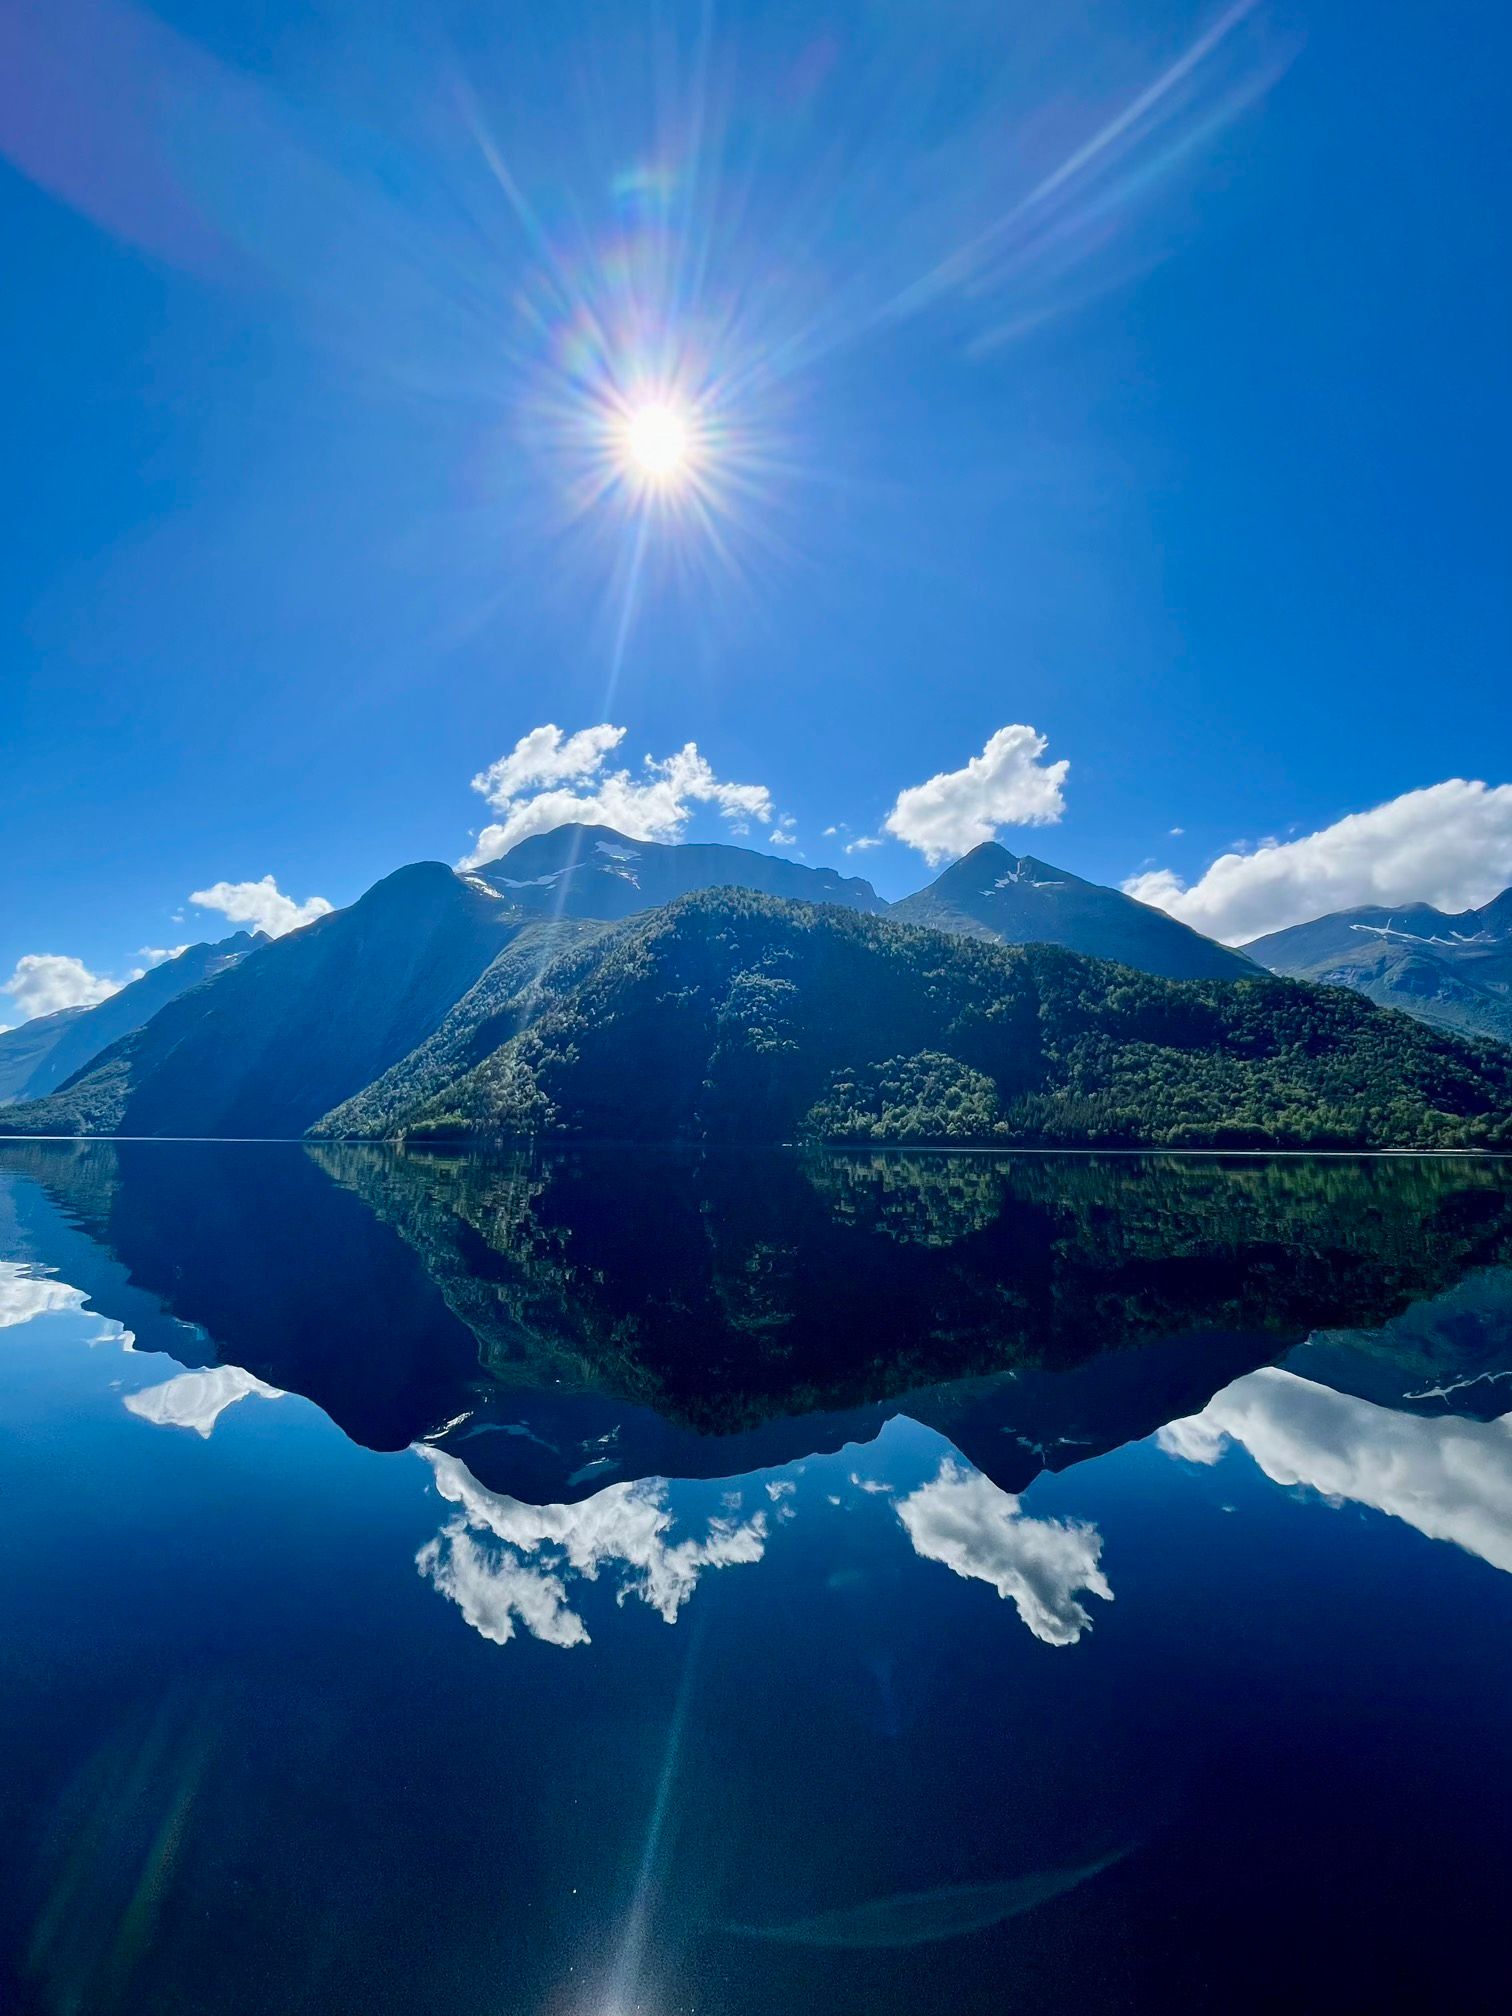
column 728, row 1016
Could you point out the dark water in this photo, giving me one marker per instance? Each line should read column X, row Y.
column 778, row 1583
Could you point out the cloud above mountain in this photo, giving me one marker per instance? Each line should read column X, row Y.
column 1449, row 844
column 1007, row 785
column 550, row 779
column 44, row 982
column 260, row 906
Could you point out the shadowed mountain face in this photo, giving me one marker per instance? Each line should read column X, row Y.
column 1013, row 899
column 97, row 1028
column 25, row 1050
column 594, row 872
column 306, row 1021
column 560, row 1323
column 45, row 1052
column 1453, row 971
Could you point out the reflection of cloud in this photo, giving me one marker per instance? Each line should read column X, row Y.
column 964, row 1520
column 1451, row 1479
column 25, row 1292
column 624, row 1527
column 492, row 1590
column 197, row 1399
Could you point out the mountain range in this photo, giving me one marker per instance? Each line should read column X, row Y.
column 594, row 872
column 47, row 1051
column 588, row 984
column 1453, row 970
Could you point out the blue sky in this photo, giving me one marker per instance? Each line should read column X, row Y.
column 1134, row 373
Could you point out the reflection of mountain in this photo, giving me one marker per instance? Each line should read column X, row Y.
column 563, row 1323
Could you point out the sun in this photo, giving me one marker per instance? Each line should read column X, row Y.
column 657, row 442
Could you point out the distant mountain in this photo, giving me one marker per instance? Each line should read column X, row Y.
column 89, row 1031
column 592, row 871
column 730, row 1017
column 274, row 1041
column 1012, row 899
column 25, row 1050
column 1453, row 971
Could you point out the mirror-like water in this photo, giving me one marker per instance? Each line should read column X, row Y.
column 615, row 1582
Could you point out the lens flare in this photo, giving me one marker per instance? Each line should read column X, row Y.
column 657, row 442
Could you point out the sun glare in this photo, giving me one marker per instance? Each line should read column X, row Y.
column 657, row 442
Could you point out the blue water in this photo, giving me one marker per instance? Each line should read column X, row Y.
column 290, row 1721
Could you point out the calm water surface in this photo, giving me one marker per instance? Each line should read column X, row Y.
column 607, row 1583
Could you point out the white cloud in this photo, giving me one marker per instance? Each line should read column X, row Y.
column 861, row 846
column 625, row 1528
column 1007, row 785
column 1449, row 1478
column 549, row 780
column 1449, row 844
column 260, row 906
column 197, row 1400
column 978, row 1531
column 44, row 982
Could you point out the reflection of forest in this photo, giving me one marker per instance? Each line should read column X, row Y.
column 660, row 1299
column 722, row 1288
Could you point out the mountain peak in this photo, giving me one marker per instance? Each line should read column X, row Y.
column 991, row 859
column 595, row 872
column 1016, row 899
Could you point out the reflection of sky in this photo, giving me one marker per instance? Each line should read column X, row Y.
column 194, row 1400
column 1449, row 1478
column 27, row 1292
column 871, row 1717
column 509, row 1565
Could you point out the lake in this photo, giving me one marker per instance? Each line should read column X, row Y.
column 601, row 1582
